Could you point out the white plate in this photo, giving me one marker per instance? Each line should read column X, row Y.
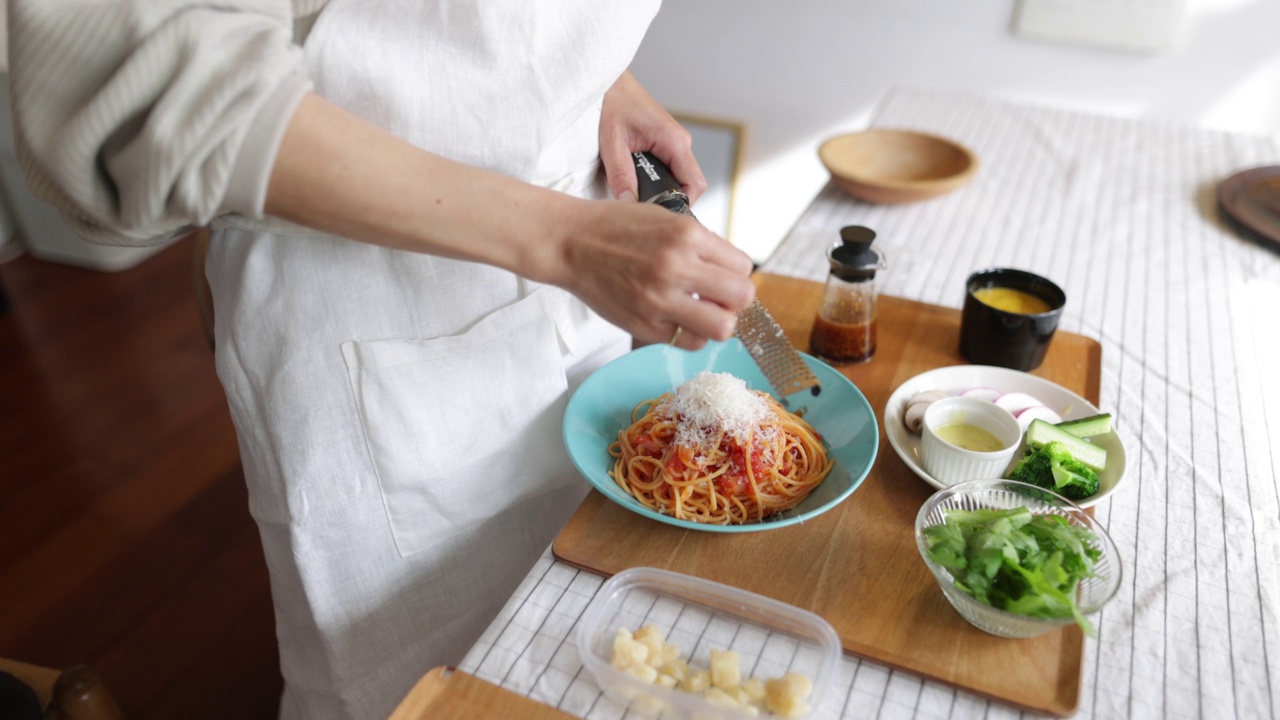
column 962, row 377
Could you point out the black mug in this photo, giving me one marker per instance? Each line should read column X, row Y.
column 1018, row 340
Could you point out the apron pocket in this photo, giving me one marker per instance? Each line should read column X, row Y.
column 461, row 428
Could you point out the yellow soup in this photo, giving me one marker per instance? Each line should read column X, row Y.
column 969, row 437
column 1010, row 300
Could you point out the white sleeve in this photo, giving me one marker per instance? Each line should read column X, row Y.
column 138, row 118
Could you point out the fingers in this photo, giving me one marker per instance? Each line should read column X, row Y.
column 702, row 288
column 674, row 147
column 632, row 121
column 730, row 258
column 703, row 318
column 684, row 166
column 619, row 168
column 650, row 271
column 716, row 287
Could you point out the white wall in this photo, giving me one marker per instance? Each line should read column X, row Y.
column 795, row 73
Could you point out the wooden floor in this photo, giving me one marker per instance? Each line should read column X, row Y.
column 125, row 539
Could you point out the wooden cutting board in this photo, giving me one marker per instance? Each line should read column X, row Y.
column 857, row 565
column 448, row 694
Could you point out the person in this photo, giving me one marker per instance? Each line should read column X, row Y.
column 415, row 258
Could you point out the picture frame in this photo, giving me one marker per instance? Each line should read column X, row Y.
column 718, row 146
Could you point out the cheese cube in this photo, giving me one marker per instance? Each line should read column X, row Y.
column 724, row 669
column 696, row 681
column 627, row 652
column 786, row 696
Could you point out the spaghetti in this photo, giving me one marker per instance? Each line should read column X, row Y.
column 717, row 452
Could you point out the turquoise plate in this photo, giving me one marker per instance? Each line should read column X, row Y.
column 602, row 406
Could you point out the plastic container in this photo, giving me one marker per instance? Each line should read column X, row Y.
column 696, row 615
column 1091, row 594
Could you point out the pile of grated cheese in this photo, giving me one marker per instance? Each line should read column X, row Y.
column 710, row 403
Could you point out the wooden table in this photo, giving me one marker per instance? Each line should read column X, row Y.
column 448, row 694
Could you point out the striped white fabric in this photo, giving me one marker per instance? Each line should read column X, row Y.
column 1122, row 214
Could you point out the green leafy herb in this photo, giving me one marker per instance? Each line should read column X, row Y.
column 1014, row 560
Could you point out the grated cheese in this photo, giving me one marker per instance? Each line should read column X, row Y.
column 710, row 403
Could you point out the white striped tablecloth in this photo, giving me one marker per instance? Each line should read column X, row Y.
column 1122, row 214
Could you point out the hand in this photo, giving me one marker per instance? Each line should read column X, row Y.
column 649, row 271
column 632, row 121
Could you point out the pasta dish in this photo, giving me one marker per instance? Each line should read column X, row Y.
column 717, row 452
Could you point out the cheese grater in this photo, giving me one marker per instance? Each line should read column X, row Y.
column 763, row 337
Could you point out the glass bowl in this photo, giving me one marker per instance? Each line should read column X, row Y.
column 1092, row 592
column 699, row 616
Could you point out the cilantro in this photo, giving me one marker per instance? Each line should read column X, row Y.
column 1024, row 563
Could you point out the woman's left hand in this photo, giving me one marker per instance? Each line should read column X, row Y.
column 632, row 121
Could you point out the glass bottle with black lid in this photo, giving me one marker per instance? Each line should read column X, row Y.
column 844, row 330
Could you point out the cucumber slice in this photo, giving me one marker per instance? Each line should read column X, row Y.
column 1088, row 426
column 1041, row 433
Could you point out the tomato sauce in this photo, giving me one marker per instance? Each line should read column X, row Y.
column 734, row 482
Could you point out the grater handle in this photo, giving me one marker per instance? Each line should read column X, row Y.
column 658, row 186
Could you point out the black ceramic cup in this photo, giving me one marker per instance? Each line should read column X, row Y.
column 989, row 336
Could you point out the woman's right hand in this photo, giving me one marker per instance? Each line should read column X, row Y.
column 650, row 271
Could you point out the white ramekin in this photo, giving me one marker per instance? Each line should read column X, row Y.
column 949, row 464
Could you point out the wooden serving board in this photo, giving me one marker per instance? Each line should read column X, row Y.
column 449, row 694
column 857, row 565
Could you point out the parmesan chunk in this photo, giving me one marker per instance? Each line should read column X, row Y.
column 647, row 656
column 696, row 681
column 754, row 688
column 724, row 669
column 787, row 696
column 643, row 672
column 627, row 652
column 651, row 637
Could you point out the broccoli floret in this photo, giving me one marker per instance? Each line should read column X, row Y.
column 1051, row 467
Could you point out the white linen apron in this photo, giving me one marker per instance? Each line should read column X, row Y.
column 399, row 414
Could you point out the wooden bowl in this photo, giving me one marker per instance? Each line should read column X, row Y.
column 897, row 166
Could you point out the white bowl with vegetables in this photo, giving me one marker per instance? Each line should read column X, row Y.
column 1016, row 560
column 1028, row 397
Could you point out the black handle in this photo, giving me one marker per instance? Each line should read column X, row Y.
column 657, row 185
